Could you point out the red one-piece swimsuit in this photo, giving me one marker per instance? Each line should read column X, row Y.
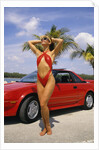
column 49, row 62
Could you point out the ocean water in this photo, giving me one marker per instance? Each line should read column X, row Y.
column 11, row 79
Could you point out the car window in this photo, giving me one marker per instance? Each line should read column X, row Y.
column 32, row 77
column 63, row 77
column 75, row 78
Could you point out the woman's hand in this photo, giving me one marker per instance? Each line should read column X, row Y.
column 56, row 40
column 58, row 46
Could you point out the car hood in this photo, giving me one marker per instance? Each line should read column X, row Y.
column 17, row 85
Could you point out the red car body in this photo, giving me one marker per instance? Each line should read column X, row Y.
column 64, row 95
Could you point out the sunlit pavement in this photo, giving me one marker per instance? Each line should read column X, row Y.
column 73, row 125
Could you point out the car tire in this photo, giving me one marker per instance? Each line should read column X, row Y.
column 89, row 101
column 30, row 110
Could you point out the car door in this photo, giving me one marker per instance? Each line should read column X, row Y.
column 80, row 86
column 65, row 92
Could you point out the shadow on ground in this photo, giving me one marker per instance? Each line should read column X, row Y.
column 51, row 120
column 11, row 120
column 16, row 120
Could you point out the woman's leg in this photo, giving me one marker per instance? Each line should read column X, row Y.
column 40, row 90
column 48, row 90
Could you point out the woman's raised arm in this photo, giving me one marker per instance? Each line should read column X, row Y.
column 58, row 46
column 33, row 47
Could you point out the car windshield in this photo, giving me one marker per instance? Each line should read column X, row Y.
column 32, row 77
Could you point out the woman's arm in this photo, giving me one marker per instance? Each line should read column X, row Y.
column 33, row 47
column 58, row 46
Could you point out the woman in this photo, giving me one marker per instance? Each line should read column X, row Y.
column 45, row 78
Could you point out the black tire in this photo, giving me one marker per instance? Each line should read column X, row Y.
column 89, row 101
column 26, row 113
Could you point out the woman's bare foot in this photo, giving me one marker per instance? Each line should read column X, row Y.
column 43, row 132
column 49, row 131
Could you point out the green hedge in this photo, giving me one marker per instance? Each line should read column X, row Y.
column 13, row 75
column 86, row 77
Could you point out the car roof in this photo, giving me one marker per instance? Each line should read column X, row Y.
column 61, row 69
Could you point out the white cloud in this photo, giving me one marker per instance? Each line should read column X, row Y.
column 65, row 54
column 17, row 61
column 14, row 58
column 83, row 38
column 15, row 18
column 86, row 62
column 21, row 33
column 33, row 23
column 25, row 24
column 29, row 27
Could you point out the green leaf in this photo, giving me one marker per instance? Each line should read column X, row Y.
column 25, row 46
column 36, row 36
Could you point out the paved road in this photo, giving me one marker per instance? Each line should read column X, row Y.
column 72, row 125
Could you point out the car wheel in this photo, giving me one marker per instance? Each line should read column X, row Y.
column 89, row 101
column 29, row 110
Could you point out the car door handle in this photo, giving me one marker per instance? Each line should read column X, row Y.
column 75, row 87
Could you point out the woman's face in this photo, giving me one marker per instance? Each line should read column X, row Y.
column 45, row 41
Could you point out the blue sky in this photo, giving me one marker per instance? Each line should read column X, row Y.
column 22, row 22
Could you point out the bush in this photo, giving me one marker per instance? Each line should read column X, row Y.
column 13, row 75
column 86, row 77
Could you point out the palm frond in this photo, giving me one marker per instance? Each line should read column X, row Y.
column 67, row 38
column 36, row 36
column 75, row 54
column 48, row 34
column 89, row 57
column 39, row 46
column 90, row 49
column 53, row 28
column 69, row 45
column 25, row 46
column 63, row 31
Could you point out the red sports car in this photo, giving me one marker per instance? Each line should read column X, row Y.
column 20, row 97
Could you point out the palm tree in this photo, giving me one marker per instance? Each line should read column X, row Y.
column 61, row 33
column 87, row 54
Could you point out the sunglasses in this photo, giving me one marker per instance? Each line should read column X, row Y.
column 45, row 38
